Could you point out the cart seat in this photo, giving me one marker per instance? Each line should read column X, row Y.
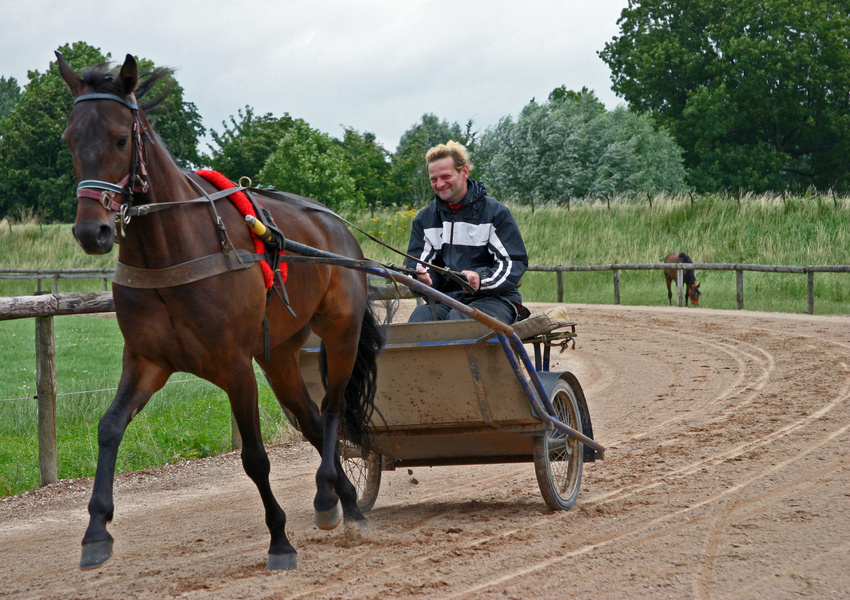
column 542, row 322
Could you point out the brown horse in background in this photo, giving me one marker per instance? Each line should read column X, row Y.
column 691, row 285
column 213, row 326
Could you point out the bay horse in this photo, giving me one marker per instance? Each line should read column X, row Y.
column 688, row 278
column 177, row 313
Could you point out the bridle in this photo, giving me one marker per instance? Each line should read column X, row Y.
column 104, row 192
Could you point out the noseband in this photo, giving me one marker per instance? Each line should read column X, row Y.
column 104, row 192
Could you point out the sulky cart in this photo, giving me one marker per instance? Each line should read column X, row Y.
column 467, row 392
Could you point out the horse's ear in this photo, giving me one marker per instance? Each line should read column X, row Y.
column 129, row 76
column 69, row 74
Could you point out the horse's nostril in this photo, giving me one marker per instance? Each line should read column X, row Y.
column 104, row 235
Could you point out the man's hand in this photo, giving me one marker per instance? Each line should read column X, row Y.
column 423, row 275
column 474, row 279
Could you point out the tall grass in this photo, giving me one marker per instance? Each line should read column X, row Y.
column 714, row 228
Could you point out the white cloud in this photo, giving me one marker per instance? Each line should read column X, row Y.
column 373, row 65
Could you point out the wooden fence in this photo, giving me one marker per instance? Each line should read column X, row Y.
column 57, row 274
column 43, row 307
column 106, row 274
column 739, row 269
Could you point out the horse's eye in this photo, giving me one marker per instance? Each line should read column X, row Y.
column 122, row 142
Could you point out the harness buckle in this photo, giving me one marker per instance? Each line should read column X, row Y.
column 124, row 214
column 106, row 198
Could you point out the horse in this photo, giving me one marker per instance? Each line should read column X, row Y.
column 687, row 278
column 190, row 299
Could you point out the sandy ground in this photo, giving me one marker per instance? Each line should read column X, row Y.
column 727, row 476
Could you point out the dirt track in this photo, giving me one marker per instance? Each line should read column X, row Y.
column 727, row 476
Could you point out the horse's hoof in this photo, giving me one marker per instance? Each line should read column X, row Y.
column 328, row 519
column 356, row 528
column 95, row 554
column 282, row 562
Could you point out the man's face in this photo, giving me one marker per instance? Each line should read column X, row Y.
column 448, row 182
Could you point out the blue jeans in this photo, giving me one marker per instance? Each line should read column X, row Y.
column 495, row 307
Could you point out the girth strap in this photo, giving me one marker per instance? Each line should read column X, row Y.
column 187, row 272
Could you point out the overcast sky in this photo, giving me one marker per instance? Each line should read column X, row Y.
column 374, row 65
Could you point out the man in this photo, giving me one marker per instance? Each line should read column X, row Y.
column 466, row 230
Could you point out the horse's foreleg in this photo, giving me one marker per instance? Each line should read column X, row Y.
column 242, row 391
column 139, row 381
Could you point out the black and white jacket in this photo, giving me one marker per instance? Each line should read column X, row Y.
column 481, row 236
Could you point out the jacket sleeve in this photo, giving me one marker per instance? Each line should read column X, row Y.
column 416, row 246
column 510, row 259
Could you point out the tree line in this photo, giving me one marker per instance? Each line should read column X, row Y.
column 750, row 96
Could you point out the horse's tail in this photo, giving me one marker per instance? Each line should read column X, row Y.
column 360, row 392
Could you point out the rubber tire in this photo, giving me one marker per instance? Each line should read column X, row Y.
column 558, row 458
column 363, row 471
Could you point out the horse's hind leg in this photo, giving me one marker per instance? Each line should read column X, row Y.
column 242, row 391
column 284, row 377
column 140, row 379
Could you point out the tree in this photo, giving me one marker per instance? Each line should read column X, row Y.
column 35, row 166
column 571, row 146
column 408, row 162
column 244, row 146
column 10, row 93
column 175, row 120
column 757, row 92
column 370, row 167
column 311, row 163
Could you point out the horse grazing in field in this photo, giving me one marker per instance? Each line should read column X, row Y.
column 688, row 278
column 189, row 297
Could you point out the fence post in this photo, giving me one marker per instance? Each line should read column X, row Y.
column 559, row 276
column 810, row 275
column 45, row 374
column 616, row 286
column 680, row 283
column 739, row 284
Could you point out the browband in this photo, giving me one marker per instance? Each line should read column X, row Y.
column 128, row 104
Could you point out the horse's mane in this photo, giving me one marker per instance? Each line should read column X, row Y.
column 103, row 79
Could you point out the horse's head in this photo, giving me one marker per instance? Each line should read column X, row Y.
column 103, row 134
column 693, row 293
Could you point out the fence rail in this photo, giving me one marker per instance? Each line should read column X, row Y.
column 57, row 274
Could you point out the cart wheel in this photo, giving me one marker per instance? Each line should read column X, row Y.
column 364, row 471
column 558, row 458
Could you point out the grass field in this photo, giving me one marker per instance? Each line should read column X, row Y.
column 190, row 418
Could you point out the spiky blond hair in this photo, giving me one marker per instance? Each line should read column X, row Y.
column 456, row 150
